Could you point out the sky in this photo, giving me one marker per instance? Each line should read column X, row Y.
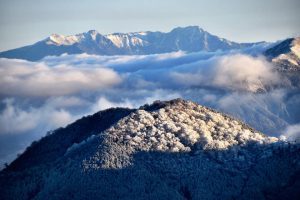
column 25, row 22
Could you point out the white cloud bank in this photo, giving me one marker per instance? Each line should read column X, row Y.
column 38, row 96
column 234, row 72
column 19, row 78
column 14, row 119
column 292, row 133
column 225, row 71
column 85, row 81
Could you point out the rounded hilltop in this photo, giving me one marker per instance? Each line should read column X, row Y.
column 176, row 126
column 167, row 150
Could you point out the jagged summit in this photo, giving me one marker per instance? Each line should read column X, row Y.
column 56, row 39
column 167, row 150
column 189, row 39
column 69, row 40
column 63, row 39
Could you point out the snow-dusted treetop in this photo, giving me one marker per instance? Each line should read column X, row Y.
column 167, row 150
column 178, row 126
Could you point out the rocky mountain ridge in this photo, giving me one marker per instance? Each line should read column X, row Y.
column 189, row 39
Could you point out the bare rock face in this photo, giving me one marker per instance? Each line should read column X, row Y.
column 167, row 150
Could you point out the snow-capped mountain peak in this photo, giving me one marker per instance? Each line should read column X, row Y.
column 189, row 39
column 57, row 39
column 286, row 54
column 295, row 47
column 126, row 40
column 93, row 34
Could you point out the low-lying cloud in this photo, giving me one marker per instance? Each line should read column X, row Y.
column 74, row 85
column 224, row 71
column 22, row 78
column 16, row 119
column 233, row 72
column 292, row 133
column 40, row 96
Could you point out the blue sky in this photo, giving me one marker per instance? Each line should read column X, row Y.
column 24, row 22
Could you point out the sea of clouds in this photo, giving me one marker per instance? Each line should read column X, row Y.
column 37, row 97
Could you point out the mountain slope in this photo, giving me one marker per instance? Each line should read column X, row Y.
column 166, row 150
column 190, row 39
column 286, row 54
column 286, row 58
column 47, row 150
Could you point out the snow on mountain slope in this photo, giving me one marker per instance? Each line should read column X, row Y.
column 56, row 39
column 180, row 126
column 126, row 40
column 286, row 58
column 167, row 150
column 286, row 54
column 190, row 39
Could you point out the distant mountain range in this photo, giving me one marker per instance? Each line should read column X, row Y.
column 189, row 39
column 167, row 150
